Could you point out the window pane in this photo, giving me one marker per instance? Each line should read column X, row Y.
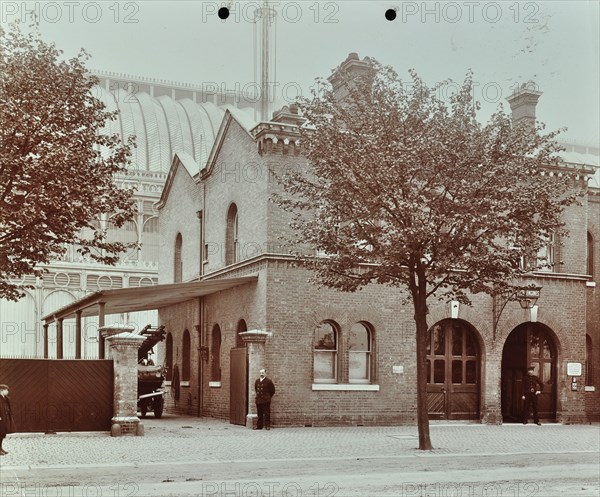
column 457, row 337
column 325, row 338
column 438, row 371
column 456, row 371
column 324, row 365
column 535, row 346
column 547, row 377
column 471, row 372
column 359, row 366
column 428, row 371
column 439, row 343
column 547, row 353
column 358, row 338
column 470, row 344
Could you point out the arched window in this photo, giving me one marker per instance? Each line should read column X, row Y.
column 589, row 365
column 215, row 354
column 231, row 236
column 546, row 256
column 127, row 233
column 178, row 263
column 326, row 353
column 359, row 351
column 241, row 327
column 590, row 254
column 186, row 365
column 169, row 356
column 150, row 239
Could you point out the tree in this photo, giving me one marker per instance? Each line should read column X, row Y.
column 405, row 189
column 56, row 166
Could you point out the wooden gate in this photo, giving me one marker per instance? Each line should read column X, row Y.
column 51, row 395
column 238, row 386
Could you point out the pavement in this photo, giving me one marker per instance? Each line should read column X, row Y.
column 177, row 439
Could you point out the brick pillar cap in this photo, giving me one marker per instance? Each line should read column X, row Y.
column 114, row 329
column 126, row 337
column 254, row 335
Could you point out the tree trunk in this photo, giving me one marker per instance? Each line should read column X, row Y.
column 418, row 290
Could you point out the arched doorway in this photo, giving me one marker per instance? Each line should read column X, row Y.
column 528, row 343
column 453, row 371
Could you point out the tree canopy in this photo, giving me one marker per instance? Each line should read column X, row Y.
column 57, row 166
column 407, row 189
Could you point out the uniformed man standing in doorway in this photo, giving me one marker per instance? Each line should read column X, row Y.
column 532, row 387
column 265, row 389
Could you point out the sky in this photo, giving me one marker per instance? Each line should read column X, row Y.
column 505, row 43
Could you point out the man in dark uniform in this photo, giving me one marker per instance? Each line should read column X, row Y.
column 532, row 387
column 264, row 389
column 6, row 419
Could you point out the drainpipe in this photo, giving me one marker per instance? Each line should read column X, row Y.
column 202, row 353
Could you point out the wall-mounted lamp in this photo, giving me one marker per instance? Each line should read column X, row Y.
column 527, row 296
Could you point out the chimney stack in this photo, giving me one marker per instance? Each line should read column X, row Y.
column 288, row 115
column 349, row 70
column 523, row 102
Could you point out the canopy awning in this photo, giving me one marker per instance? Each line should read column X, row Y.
column 145, row 298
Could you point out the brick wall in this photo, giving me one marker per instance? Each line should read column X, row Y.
column 178, row 215
column 178, row 318
column 238, row 177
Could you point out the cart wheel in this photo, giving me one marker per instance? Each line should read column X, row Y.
column 158, row 406
column 143, row 408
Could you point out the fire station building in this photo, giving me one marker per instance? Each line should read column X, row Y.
column 349, row 358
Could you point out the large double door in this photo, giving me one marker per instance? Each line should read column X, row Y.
column 453, row 371
column 528, row 344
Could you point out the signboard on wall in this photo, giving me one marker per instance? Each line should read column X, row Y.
column 574, row 369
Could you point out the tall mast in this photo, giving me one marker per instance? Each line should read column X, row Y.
column 264, row 62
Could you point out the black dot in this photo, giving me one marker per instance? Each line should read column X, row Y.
column 390, row 14
column 223, row 13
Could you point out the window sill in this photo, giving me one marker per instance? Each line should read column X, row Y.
column 214, row 384
column 355, row 387
column 169, row 383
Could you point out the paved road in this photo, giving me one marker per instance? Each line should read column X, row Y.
column 203, row 457
column 407, row 476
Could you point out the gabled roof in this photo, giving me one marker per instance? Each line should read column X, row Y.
column 192, row 167
column 244, row 122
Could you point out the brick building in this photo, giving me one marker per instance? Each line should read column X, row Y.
column 339, row 358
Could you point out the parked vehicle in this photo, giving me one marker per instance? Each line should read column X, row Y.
column 151, row 381
column 151, row 378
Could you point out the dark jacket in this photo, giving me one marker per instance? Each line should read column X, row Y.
column 6, row 420
column 531, row 384
column 264, row 390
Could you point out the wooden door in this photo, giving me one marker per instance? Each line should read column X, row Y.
column 453, row 363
